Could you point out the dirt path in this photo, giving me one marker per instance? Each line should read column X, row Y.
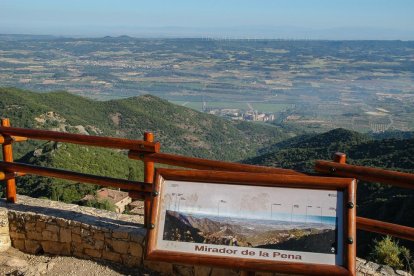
column 16, row 263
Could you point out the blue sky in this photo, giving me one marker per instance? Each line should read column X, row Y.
column 386, row 19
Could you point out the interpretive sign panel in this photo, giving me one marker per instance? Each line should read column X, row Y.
column 250, row 220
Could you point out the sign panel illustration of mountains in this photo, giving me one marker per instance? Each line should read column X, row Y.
column 256, row 233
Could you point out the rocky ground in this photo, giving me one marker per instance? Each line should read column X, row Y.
column 16, row 263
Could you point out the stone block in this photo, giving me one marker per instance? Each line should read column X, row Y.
column 402, row 273
column 165, row 268
column 49, row 220
column 19, row 244
column 183, row 270
column 130, row 261
column 40, row 226
column 93, row 227
column 202, row 270
column 137, row 237
column 16, row 235
column 120, row 246
column 32, row 247
column 387, row 270
column 65, row 235
column 88, row 242
column 93, row 253
column 85, row 226
column 99, row 236
column 120, row 234
column 62, row 222
column 76, row 238
column 52, row 228
column 56, row 248
column 223, row 272
column 80, row 255
column 76, row 246
column 111, row 256
column 49, row 236
column 76, row 230
column 135, row 249
column 74, row 223
column 372, row 267
column 85, row 232
column 33, row 235
column 99, row 244
column 30, row 226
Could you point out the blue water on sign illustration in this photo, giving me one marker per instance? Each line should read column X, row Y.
column 278, row 221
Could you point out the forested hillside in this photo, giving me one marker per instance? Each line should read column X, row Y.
column 77, row 158
column 179, row 129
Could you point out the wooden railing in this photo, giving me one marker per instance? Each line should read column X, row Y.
column 404, row 180
column 148, row 151
column 10, row 170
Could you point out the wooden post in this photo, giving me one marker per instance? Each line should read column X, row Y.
column 350, row 240
column 339, row 157
column 350, row 236
column 148, row 178
column 8, row 157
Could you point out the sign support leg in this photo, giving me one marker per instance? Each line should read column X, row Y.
column 8, row 157
column 148, row 178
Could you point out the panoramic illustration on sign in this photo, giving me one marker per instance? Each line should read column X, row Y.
column 255, row 222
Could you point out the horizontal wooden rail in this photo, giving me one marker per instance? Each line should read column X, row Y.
column 386, row 228
column 205, row 164
column 144, row 188
column 399, row 179
column 89, row 140
column 8, row 139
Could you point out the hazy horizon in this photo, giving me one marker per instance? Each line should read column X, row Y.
column 297, row 19
column 148, row 35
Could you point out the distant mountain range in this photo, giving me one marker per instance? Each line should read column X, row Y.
column 237, row 32
column 215, row 230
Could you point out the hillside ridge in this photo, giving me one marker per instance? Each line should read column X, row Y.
column 179, row 129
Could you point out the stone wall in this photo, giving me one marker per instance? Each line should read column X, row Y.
column 42, row 226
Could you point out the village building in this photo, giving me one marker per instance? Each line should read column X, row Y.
column 118, row 198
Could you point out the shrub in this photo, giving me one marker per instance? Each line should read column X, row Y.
column 388, row 252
